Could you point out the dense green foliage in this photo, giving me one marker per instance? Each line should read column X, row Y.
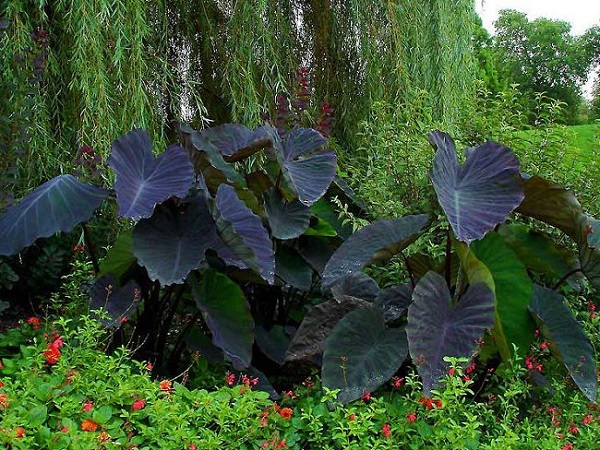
column 543, row 57
column 81, row 74
column 86, row 399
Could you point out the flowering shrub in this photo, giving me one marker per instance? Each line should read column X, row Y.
column 88, row 400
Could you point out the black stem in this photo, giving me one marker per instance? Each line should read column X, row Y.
column 90, row 248
column 566, row 276
column 166, row 324
column 178, row 346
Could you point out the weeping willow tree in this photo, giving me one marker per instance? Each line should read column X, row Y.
column 81, row 72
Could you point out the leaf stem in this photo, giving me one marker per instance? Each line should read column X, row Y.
column 566, row 276
column 90, row 248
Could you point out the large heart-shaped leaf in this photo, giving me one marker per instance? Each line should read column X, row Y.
column 437, row 329
column 57, row 205
column 118, row 302
column 206, row 155
column 551, row 203
column 568, row 339
column 477, row 272
column 377, row 241
column 589, row 256
column 243, row 232
column 512, row 287
column 235, row 141
column 286, row 219
column 143, row 181
column 539, row 252
column 358, row 285
column 480, row 194
column 309, row 168
column 362, row 353
column 309, row 341
column 172, row 243
column 227, row 314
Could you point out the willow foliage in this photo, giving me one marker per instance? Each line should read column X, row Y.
column 104, row 67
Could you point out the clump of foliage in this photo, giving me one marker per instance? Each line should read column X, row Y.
column 486, row 293
column 218, row 247
column 241, row 253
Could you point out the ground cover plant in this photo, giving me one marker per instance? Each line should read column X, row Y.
column 60, row 390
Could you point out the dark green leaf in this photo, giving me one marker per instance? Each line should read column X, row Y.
column 361, row 353
column 377, row 241
column 437, row 329
column 309, row 340
column 57, row 205
column 512, row 288
column 539, row 252
column 286, row 219
column 292, row 268
column 120, row 257
column 571, row 344
column 227, row 314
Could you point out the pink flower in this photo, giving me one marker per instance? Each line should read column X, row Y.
column 138, row 404
column 366, row 396
column 87, row 406
column 387, row 430
column 411, row 417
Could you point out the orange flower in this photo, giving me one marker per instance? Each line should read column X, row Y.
column 286, row 413
column 89, row 425
column 4, row 401
column 20, row 432
column 166, row 386
column 104, row 436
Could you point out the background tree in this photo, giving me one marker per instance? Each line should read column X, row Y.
column 78, row 73
column 542, row 56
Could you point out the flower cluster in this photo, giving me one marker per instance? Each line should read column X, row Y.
column 430, row 403
column 52, row 354
column 34, row 322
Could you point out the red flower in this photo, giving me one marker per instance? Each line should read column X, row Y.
column 89, row 425
column 87, row 406
column 64, row 430
column 138, row 404
column 286, row 413
column 387, row 430
column 34, row 322
column 543, row 346
column 430, row 403
column 411, row 417
column 191, row 447
column 567, row 447
column 150, row 367
column 20, row 432
column 587, row 420
column 398, row 382
column 366, row 396
column 52, row 355
column 230, row 379
column 352, row 416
